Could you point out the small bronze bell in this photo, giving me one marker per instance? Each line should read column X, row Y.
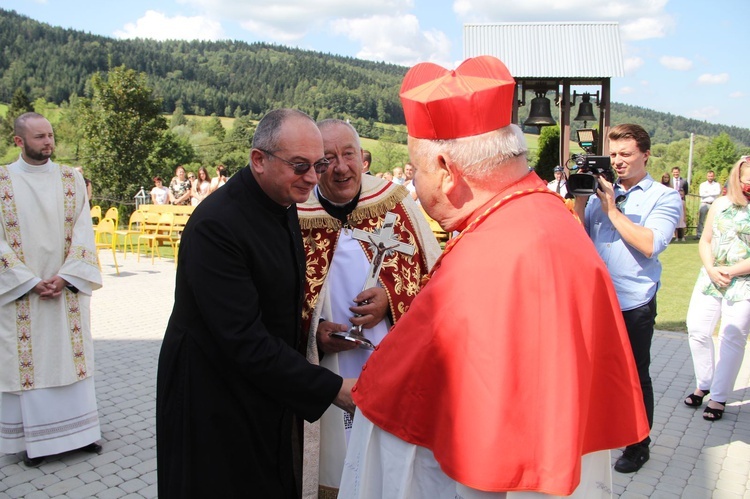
column 585, row 110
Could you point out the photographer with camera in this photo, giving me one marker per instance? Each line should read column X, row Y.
column 631, row 221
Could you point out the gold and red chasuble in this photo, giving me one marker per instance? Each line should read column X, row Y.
column 400, row 274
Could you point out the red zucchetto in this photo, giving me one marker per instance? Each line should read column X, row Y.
column 475, row 98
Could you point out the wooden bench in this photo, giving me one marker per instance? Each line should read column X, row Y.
column 177, row 209
column 152, row 214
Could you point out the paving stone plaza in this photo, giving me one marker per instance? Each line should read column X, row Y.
column 690, row 457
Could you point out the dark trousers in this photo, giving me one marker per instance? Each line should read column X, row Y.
column 640, row 324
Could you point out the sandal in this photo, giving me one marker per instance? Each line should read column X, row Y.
column 711, row 414
column 694, row 400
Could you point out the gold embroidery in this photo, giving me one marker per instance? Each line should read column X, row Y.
column 400, row 281
column 76, row 333
column 8, row 261
column 83, row 254
column 23, row 330
column 23, row 307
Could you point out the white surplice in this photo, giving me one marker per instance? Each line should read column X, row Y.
column 46, row 345
column 338, row 295
column 379, row 464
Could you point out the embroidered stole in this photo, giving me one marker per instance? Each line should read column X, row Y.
column 400, row 274
column 23, row 308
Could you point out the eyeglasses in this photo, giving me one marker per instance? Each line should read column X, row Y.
column 620, row 202
column 191, row 177
column 302, row 168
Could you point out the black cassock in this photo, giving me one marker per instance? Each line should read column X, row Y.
column 230, row 376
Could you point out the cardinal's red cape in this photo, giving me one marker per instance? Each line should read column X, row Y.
column 513, row 361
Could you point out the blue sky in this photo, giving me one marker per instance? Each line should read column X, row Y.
column 685, row 57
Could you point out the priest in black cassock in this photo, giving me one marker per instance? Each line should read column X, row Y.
column 232, row 385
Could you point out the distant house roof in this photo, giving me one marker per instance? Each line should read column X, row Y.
column 549, row 50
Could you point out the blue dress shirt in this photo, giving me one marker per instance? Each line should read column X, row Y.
column 649, row 204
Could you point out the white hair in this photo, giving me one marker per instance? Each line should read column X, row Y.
column 479, row 156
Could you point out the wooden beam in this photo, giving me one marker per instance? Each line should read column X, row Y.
column 565, row 104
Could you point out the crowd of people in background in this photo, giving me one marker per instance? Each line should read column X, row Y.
column 187, row 189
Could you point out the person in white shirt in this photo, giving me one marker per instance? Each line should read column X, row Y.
column 409, row 183
column 708, row 191
column 558, row 185
column 159, row 194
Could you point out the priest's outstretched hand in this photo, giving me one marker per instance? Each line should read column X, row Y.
column 344, row 399
column 332, row 344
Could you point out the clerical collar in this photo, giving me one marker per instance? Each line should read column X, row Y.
column 339, row 212
column 29, row 168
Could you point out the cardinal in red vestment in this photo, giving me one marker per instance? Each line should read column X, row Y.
column 512, row 370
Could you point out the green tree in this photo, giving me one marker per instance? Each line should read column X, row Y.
column 178, row 117
column 168, row 153
column 122, row 126
column 19, row 105
column 69, row 131
column 389, row 154
column 215, row 129
column 719, row 156
column 548, row 156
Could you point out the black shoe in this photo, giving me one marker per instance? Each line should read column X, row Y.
column 694, row 400
column 632, row 459
column 95, row 448
column 32, row 462
column 711, row 414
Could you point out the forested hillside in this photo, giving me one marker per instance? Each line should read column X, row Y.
column 236, row 79
column 224, row 78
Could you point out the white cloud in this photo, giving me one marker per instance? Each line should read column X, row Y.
column 396, row 39
column 704, row 113
column 385, row 29
column 294, row 19
column 737, row 95
column 645, row 28
column 676, row 63
column 632, row 64
column 713, row 79
column 626, row 90
column 157, row 26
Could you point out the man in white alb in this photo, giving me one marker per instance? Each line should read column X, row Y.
column 47, row 274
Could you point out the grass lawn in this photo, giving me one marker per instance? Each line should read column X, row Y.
column 681, row 264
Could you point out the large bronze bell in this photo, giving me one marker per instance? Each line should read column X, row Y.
column 586, row 109
column 540, row 114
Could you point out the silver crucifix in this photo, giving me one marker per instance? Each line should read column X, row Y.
column 383, row 242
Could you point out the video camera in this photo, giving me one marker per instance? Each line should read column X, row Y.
column 587, row 169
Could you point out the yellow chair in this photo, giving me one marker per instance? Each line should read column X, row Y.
column 106, row 227
column 114, row 215
column 164, row 233
column 96, row 212
column 136, row 226
column 180, row 220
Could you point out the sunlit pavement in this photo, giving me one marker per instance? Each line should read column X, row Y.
column 690, row 457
